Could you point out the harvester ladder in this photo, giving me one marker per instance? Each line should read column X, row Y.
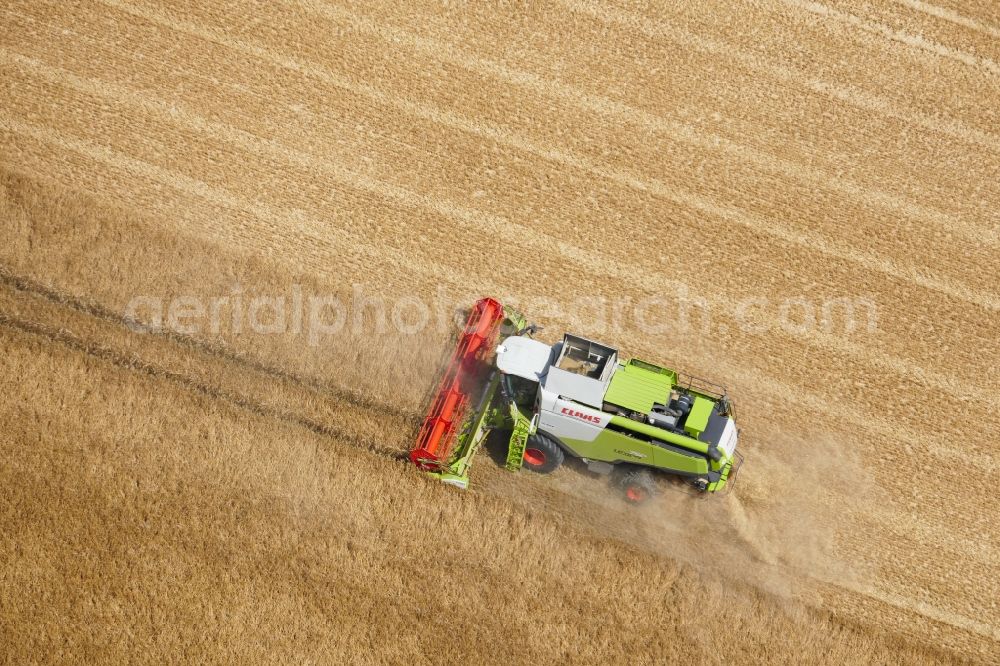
column 518, row 441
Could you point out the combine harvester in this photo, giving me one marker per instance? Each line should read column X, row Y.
column 626, row 419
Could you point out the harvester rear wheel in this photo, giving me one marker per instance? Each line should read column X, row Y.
column 638, row 486
column 542, row 454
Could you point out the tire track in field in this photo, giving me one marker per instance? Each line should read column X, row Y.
column 898, row 36
column 59, row 334
column 845, row 93
column 917, row 606
column 98, row 311
column 266, row 213
column 475, row 218
column 135, row 363
column 951, row 16
column 651, row 122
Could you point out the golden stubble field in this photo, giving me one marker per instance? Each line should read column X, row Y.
column 218, row 495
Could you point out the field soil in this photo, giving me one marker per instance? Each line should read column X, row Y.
column 711, row 186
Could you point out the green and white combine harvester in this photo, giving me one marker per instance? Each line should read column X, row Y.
column 627, row 419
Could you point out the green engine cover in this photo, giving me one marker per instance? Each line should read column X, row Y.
column 697, row 420
column 637, row 386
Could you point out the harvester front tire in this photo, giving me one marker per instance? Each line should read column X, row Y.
column 638, row 486
column 542, row 454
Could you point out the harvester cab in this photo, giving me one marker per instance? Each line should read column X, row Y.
column 576, row 398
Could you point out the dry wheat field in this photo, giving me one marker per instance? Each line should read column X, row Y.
column 214, row 494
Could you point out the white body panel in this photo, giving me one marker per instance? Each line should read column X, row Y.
column 728, row 440
column 524, row 357
column 578, row 387
column 569, row 420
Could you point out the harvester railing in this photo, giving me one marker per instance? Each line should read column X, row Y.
column 699, row 385
column 734, row 470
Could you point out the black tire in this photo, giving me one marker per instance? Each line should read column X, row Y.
column 637, row 485
column 542, row 454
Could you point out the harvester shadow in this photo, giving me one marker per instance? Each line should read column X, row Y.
column 496, row 447
column 669, row 489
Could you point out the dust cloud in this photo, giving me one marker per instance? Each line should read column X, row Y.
column 776, row 529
